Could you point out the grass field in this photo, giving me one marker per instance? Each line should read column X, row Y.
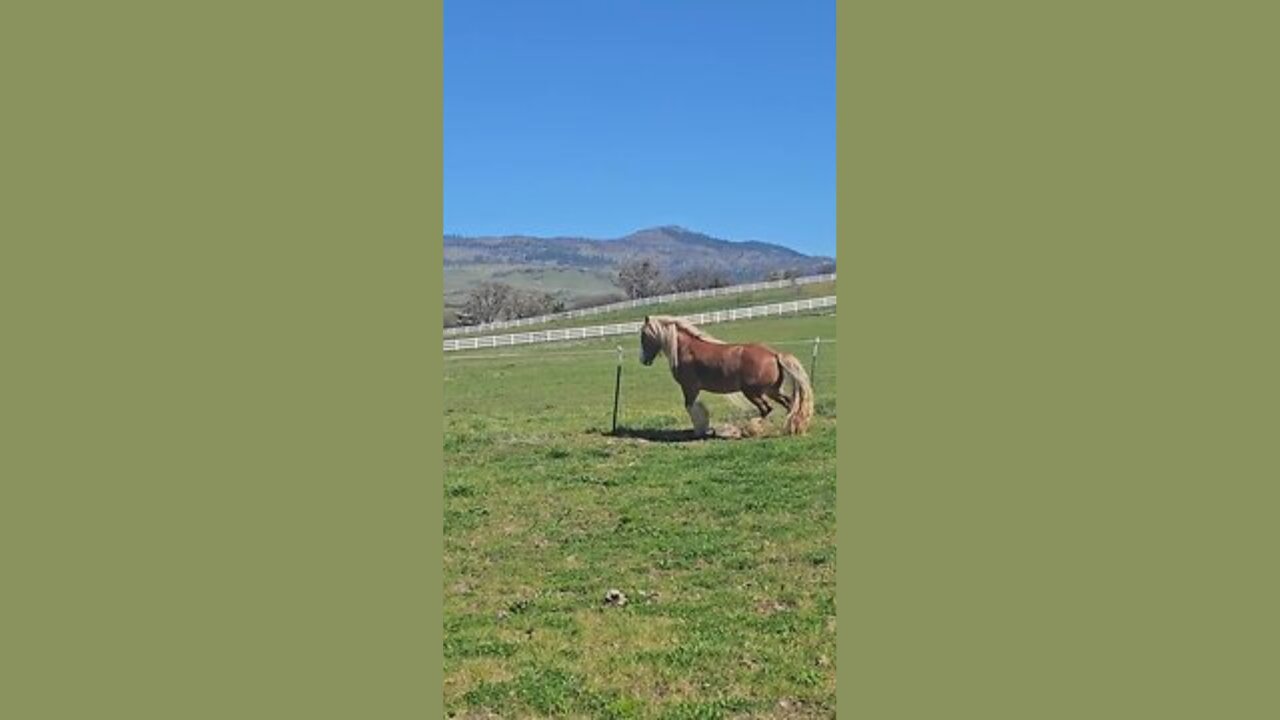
column 725, row 549
column 573, row 283
column 687, row 307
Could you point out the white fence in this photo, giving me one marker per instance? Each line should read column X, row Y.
column 572, row 353
column 597, row 331
column 639, row 302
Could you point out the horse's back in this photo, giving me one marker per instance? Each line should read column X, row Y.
column 732, row 368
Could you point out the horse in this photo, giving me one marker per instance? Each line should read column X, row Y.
column 701, row 362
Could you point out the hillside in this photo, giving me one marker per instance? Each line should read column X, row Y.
column 583, row 269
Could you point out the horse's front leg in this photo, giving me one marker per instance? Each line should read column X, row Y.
column 697, row 412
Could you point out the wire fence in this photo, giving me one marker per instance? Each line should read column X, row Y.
column 639, row 302
column 599, row 331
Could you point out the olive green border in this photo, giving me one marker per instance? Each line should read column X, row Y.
column 1058, row 288
column 219, row 492
column 222, row 278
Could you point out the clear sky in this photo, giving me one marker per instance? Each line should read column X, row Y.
column 600, row 117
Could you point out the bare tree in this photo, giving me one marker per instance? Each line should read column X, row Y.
column 703, row 278
column 639, row 278
column 529, row 303
column 788, row 274
column 487, row 302
column 490, row 301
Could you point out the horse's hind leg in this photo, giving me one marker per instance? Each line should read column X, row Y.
column 761, row 404
column 783, row 400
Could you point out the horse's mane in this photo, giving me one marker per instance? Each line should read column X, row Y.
column 686, row 326
column 668, row 334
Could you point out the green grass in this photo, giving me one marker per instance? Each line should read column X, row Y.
column 687, row 307
column 572, row 282
column 725, row 548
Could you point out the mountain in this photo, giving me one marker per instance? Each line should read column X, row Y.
column 583, row 269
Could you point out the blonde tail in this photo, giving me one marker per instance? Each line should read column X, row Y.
column 801, row 394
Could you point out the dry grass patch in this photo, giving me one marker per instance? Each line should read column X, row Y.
column 613, row 639
column 471, row 673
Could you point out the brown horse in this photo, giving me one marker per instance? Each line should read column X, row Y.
column 700, row 362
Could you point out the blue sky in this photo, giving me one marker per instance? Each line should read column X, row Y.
column 598, row 118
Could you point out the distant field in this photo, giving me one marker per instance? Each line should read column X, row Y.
column 575, row 283
column 686, row 307
column 724, row 548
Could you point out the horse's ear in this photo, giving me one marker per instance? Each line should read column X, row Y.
column 646, row 319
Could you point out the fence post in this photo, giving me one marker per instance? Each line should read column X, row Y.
column 617, row 389
column 813, row 362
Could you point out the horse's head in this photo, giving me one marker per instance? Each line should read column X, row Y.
column 650, row 341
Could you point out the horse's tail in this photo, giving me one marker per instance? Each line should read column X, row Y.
column 802, row 394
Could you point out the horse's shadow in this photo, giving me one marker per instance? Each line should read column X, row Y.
column 656, row 435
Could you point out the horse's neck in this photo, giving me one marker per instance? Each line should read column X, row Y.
column 691, row 342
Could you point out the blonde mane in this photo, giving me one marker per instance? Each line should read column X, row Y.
column 687, row 326
column 666, row 330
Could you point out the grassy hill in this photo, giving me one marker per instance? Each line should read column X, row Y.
column 575, row 284
column 583, row 270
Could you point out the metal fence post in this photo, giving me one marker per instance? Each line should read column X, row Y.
column 813, row 362
column 617, row 389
